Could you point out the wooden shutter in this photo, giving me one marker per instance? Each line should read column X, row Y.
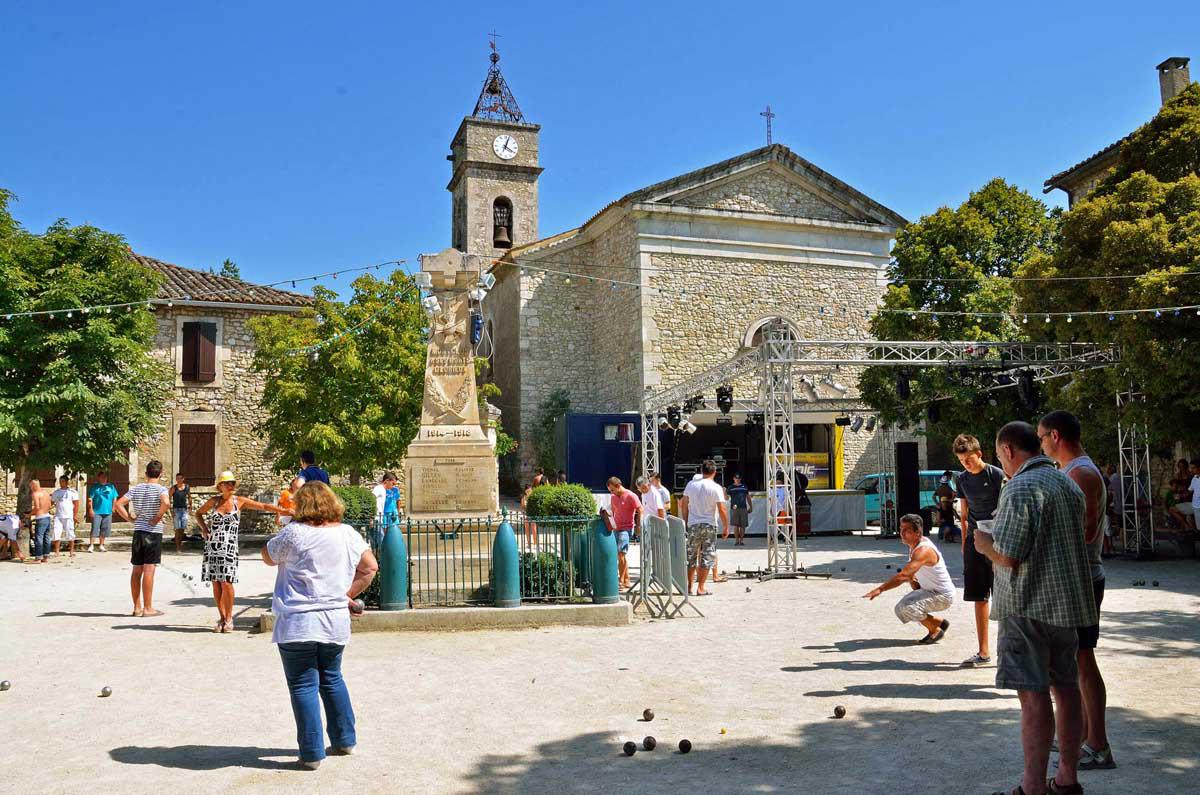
column 46, row 477
column 118, row 474
column 189, row 367
column 199, row 351
column 197, row 454
column 206, row 355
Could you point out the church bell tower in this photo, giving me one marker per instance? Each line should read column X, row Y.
column 494, row 156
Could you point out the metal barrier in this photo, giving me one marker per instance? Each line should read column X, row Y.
column 556, row 554
column 662, row 584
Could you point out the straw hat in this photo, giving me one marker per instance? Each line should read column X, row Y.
column 226, row 477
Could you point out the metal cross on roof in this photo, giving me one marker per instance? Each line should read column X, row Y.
column 768, row 115
column 496, row 101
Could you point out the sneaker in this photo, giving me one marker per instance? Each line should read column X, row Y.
column 976, row 661
column 347, row 751
column 1096, row 760
column 102, row 549
column 89, row 549
column 313, row 765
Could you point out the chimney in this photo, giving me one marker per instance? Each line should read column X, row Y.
column 1173, row 77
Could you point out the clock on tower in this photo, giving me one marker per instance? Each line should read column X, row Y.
column 494, row 156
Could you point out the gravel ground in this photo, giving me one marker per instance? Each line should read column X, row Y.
column 753, row 686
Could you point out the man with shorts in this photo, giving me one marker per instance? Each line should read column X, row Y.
column 978, row 494
column 10, row 534
column 39, row 522
column 100, row 498
column 65, row 499
column 1043, row 595
column 740, row 506
column 1060, row 433
column 150, row 503
column 702, row 502
column 932, row 588
column 626, row 512
column 181, row 506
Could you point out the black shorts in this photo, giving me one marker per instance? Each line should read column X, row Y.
column 977, row 573
column 1090, row 636
column 147, row 549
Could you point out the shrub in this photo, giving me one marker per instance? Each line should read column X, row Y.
column 360, row 504
column 567, row 500
column 544, row 574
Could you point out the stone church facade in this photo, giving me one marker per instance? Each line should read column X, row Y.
column 666, row 281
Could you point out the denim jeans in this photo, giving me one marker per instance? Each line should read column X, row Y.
column 313, row 668
column 40, row 541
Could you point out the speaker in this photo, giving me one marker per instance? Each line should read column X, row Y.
column 908, row 479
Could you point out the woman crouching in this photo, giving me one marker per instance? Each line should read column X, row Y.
column 323, row 564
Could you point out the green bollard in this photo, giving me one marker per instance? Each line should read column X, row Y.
column 506, row 569
column 604, row 564
column 393, row 569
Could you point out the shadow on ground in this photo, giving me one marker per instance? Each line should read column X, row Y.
column 186, row 628
column 206, row 757
column 239, row 602
column 867, row 752
column 1152, row 633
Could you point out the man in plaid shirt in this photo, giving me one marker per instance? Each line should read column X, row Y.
column 1042, row 592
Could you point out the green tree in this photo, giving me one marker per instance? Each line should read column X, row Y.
column 555, row 405
column 229, row 269
column 354, row 401
column 79, row 387
column 957, row 260
column 1142, row 222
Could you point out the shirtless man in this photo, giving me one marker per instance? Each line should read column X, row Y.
column 39, row 522
column 933, row 590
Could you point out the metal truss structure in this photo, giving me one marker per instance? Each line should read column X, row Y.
column 1137, row 501
column 889, row 524
column 781, row 361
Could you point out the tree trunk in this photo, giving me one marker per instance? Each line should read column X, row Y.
column 23, row 475
column 355, row 477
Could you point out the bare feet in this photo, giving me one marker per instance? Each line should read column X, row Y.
column 138, row 612
column 151, row 613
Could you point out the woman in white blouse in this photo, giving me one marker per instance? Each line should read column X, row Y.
column 323, row 564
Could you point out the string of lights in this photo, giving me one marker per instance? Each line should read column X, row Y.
column 315, row 348
column 69, row 312
column 1023, row 318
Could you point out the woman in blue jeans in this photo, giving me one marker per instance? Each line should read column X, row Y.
column 323, row 564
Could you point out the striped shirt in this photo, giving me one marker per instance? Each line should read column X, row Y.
column 146, row 499
column 1039, row 522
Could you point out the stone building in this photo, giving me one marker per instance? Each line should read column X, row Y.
column 666, row 281
column 214, row 404
column 1082, row 178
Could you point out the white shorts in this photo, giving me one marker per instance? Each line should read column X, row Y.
column 1185, row 508
column 63, row 530
column 8, row 531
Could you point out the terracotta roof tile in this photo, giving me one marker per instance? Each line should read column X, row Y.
column 194, row 285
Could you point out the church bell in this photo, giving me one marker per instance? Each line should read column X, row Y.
column 502, row 218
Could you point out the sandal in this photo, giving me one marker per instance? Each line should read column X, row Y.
column 1054, row 789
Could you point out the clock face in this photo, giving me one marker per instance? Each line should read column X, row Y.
column 505, row 147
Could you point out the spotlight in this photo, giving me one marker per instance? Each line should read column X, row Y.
column 476, row 328
column 687, row 427
column 856, row 424
column 903, row 388
column 871, row 423
column 810, row 389
column 487, row 281
column 674, row 416
column 828, row 381
column 725, row 398
column 423, row 279
column 842, row 422
column 664, row 423
column 477, row 295
column 431, row 304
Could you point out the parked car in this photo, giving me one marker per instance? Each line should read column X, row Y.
column 870, row 485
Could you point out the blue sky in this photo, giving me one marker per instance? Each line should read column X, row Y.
column 298, row 137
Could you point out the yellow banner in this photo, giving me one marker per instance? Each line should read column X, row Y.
column 815, row 466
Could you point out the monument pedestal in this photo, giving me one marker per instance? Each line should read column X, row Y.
column 451, row 479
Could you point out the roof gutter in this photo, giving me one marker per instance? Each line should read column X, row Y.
column 225, row 305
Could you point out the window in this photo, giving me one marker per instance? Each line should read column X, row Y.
column 198, row 453
column 619, row 432
column 502, row 223
column 868, row 485
column 199, row 359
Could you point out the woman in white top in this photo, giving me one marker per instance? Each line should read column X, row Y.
column 323, row 564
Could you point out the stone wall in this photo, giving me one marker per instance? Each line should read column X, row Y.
column 765, row 191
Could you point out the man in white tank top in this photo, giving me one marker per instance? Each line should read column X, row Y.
column 1060, row 433
column 933, row 590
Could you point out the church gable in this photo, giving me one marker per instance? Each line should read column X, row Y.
column 764, row 190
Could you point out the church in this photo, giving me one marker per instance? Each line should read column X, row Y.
column 664, row 283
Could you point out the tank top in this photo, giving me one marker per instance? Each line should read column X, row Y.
column 1093, row 549
column 934, row 578
column 180, row 498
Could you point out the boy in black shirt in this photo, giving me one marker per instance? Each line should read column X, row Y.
column 979, row 493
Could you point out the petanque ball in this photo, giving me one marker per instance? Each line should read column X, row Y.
column 647, row 714
column 888, row 566
column 839, row 711
column 5, row 685
column 1155, row 583
column 649, row 744
column 105, row 691
column 685, row 746
column 357, row 606
column 630, row 748
column 843, row 568
column 747, row 589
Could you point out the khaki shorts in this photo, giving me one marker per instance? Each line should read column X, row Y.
column 1034, row 656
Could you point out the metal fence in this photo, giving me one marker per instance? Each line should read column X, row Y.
column 450, row 560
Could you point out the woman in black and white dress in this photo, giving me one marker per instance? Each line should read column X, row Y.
column 219, row 518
